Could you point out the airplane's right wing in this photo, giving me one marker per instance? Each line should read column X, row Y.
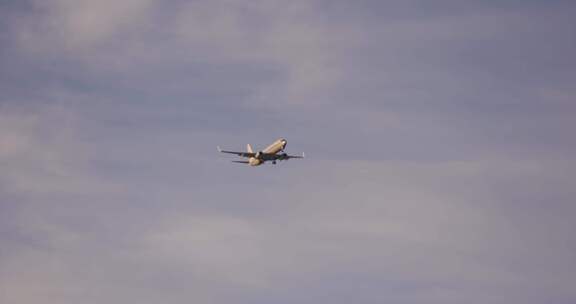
column 243, row 154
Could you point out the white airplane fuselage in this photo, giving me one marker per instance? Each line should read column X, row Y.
column 274, row 148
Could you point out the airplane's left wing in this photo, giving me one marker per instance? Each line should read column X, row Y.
column 285, row 156
column 241, row 161
column 294, row 156
column 243, row 154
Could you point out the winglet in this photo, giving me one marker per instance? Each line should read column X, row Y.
column 303, row 156
column 218, row 148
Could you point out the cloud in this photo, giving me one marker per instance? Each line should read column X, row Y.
column 304, row 56
column 438, row 223
column 40, row 152
column 79, row 26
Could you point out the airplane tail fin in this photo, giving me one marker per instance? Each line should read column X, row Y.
column 249, row 148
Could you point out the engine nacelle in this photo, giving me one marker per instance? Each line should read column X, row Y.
column 253, row 161
column 258, row 154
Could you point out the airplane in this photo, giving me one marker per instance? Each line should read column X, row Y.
column 271, row 153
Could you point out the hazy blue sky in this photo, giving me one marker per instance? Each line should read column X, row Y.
column 440, row 138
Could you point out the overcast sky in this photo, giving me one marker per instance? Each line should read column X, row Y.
column 441, row 153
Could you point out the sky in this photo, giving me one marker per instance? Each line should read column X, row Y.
column 439, row 138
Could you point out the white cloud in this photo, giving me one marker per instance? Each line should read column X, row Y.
column 15, row 134
column 78, row 26
column 41, row 154
column 291, row 37
column 397, row 221
column 224, row 249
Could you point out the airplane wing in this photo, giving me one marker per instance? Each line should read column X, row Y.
column 295, row 156
column 243, row 154
column 286, row 156
column 241, row 161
